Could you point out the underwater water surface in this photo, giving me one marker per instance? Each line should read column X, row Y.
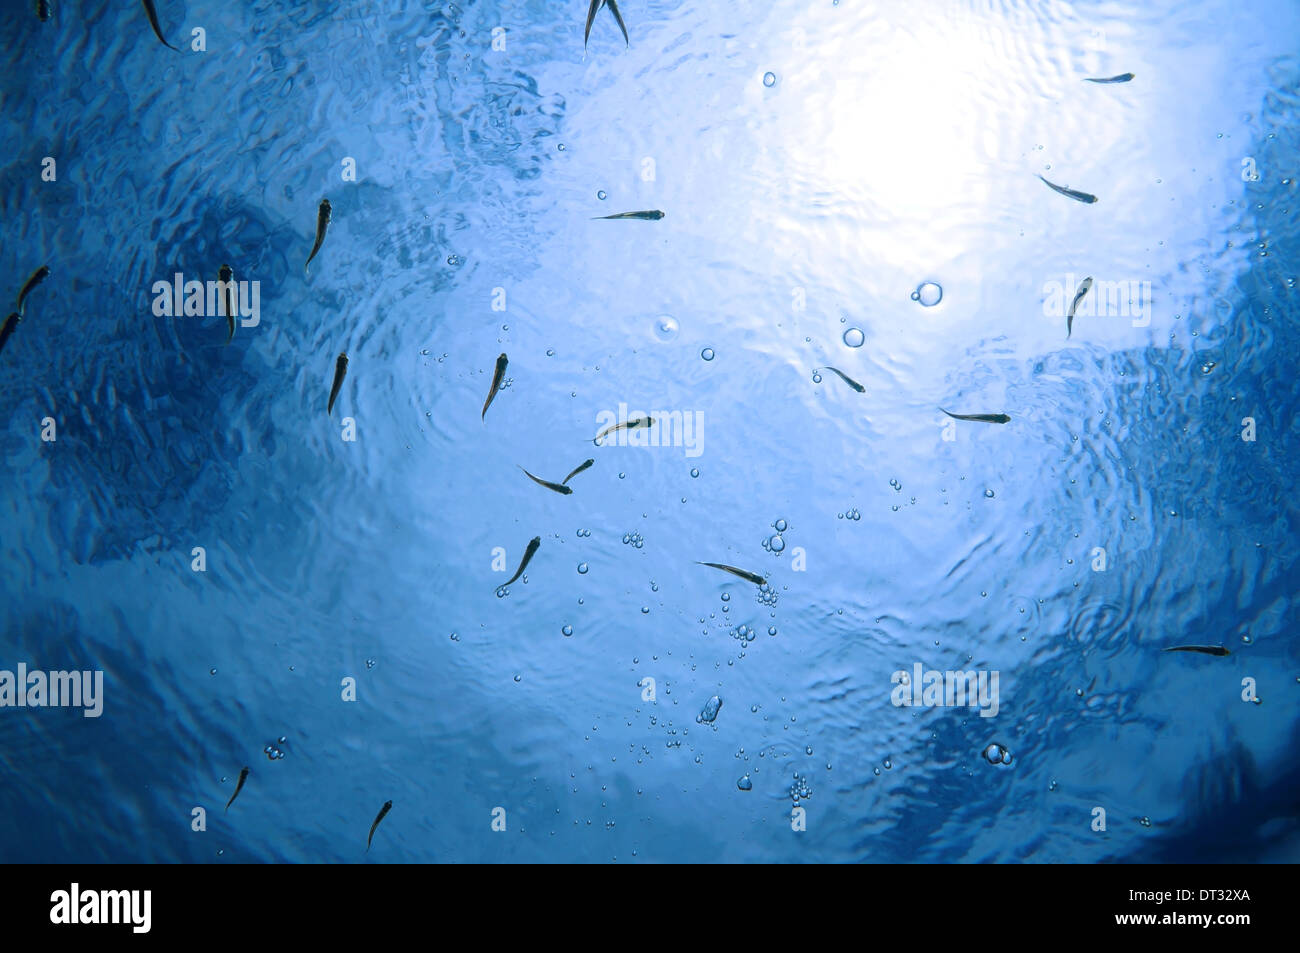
column 318, row 595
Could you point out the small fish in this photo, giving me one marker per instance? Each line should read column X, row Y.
column 557, row 487
column 340, row 372
column 39, row 275
column 578, row 469
column 43, row 10
column 322, row 223
column 11, row 323
column 1203, row 649
column 848, row 380
column 497, row 377
column 1121, row 78
column 593, row 9
column 613, row 8
column 753, row 577
column 1078, row 296
column 533, row 545
column 388, row 806
column 239, row 786
column 1071, row 193
column 982, row 418
column 153, row 22
column 651, row 216
column 633, row 424
column 227, row 276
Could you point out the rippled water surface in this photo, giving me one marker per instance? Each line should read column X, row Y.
column 844, row 185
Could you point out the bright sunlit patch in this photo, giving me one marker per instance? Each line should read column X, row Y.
column 908, row 122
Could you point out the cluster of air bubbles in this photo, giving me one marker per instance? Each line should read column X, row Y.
column 743, row 633
column 502, row 592
column 853, row 514
column 766, row 595
column 370, row 663
column 583, row 533
column 710, row 711
column 854, row 337
column 454, row 260
column 800, row 790
column 273, row 752
column 817, row 377
column 1144, row 821
column 928, row 293
column 997, row 754
column 896, row 485
column 744, row 784
column 633, row 539
column 707, row 354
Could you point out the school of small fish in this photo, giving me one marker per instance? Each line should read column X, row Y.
column 323, row 217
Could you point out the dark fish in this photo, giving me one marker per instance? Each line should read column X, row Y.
column 239, row 786
column 43, row 10
column 11, row 323
column 1203, row 649
column 633, row 424
column 322, row 223
column 578, row 469
column 1121, row 78
column 388, row 806
column 591, row 15
column 593, row 9
column 533, row 545
column 227, row 276
column 39, row 275
column 557, row 487
column 651, row 216
column 753, row 577
column 1071, row 193
column 613, row 8
column 340, row 372
column 497, row 377
column 1078, row 296
column 153, row 22
column 982, row 418
column 848, row 380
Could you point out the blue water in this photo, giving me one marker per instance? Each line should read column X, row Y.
column 892, row 145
